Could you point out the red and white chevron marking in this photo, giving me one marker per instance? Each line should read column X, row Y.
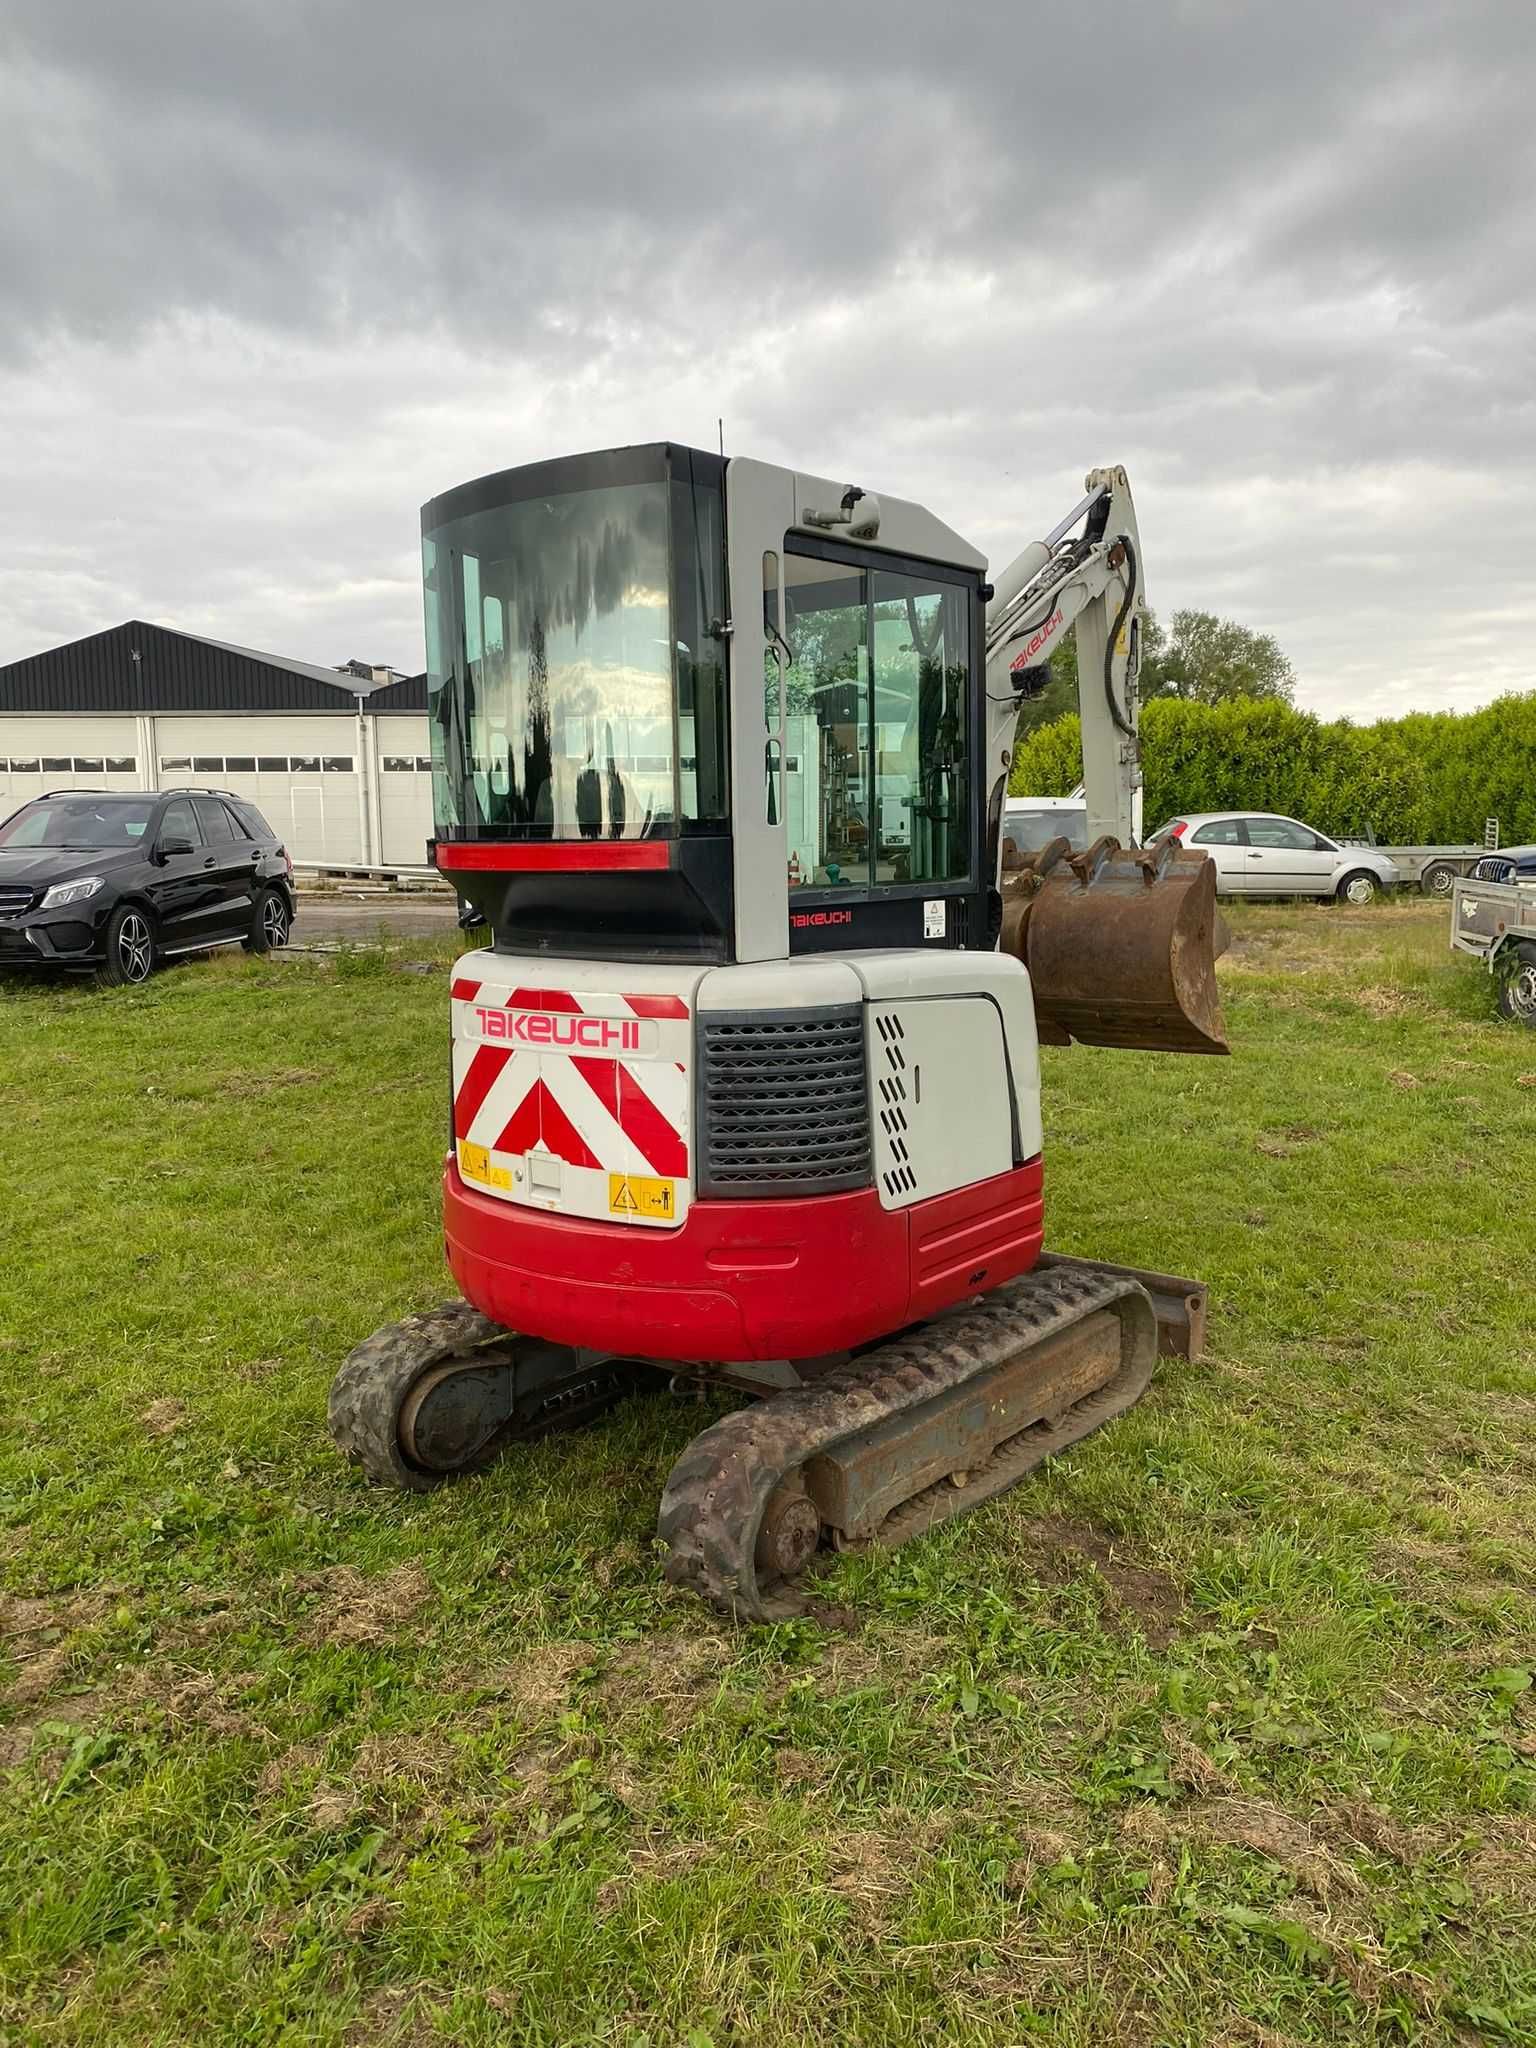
column 564, row 1088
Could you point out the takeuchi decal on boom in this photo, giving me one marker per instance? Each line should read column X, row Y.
column 1037, row 640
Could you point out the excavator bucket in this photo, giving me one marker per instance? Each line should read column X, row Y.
column 1121, row 944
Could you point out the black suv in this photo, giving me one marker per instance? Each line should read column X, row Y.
column 118, row 880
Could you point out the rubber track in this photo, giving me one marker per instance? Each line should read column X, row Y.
column 367, row 1393
column 713, row 1504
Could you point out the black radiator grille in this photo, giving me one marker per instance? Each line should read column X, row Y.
column 1494, row 867
column 783, row 1106
column 13, row 899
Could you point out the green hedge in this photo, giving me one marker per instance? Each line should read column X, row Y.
column 1431, row 778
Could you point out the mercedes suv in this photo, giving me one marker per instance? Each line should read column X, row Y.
column 118, row 881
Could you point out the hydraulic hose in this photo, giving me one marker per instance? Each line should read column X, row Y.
column 1122, row 723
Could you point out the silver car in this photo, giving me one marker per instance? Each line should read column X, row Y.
column 1258, row 853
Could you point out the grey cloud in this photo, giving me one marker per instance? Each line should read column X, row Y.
column 302, row 163
column 271, row 275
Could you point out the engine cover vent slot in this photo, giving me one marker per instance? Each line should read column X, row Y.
column 783, row 1105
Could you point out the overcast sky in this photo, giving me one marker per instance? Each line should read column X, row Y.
column 271, row 274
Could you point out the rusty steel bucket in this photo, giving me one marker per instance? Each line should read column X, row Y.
column 1121, row 944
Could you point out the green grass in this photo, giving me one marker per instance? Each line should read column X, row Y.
column 1220, row 1731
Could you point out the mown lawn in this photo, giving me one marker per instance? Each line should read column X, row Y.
column 1220, row 1732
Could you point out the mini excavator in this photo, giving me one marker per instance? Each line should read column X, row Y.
column 746, row 1082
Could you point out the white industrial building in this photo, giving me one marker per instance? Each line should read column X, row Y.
column 338, row 761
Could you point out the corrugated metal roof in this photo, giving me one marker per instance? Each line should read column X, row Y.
column 409, row 694
column 138, row 667
column 331, row 677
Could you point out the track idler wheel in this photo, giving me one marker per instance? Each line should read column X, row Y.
column 444, row 1392
column 1121, row 944
column 790, row 1533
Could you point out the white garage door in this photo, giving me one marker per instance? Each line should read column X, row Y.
column 405, row 788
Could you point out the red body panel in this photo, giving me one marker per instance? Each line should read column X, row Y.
column 741, row 1280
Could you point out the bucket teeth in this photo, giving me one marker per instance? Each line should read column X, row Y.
column 1121, row 945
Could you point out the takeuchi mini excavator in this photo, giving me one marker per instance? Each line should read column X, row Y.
column 746, row 1082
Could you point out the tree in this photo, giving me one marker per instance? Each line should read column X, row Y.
column 1213, row 661
column 1205, row 661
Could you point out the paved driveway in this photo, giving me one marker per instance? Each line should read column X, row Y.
column 339, row 917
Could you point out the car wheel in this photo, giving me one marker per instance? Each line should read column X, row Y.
column 1437, row 879
column 1358, row 887
column 1517, row 984
column 269, row 923
column 130, row 948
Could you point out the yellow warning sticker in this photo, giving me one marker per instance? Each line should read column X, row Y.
column 475, row 1164
column 636, row 1194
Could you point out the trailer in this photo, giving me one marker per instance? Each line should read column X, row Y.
column 1432, row 869
column 1496, row 923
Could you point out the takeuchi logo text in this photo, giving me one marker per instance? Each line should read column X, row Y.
column 1037, row 640
column 536, row 1027
column 803, row 919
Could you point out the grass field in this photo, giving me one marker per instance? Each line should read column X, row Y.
column 1222, row 1731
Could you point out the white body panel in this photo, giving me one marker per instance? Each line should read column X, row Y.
column 806, row 984
column 934, row 1128
column 1007, row 1092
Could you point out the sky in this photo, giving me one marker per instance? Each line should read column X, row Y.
column 273, row 274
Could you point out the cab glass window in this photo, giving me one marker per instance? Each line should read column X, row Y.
column 877, row 782
column 920, row 814
column 826, row 722
column 575, row 663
